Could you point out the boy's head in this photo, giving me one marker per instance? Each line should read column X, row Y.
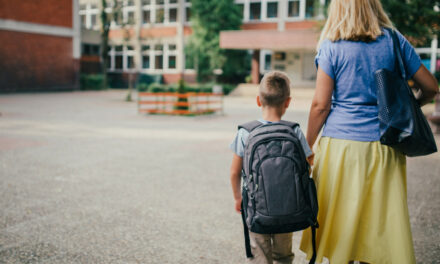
column 274, row 91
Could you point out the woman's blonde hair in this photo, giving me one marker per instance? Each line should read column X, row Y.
column 357, row 20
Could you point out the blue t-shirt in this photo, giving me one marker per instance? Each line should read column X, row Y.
column 240, row 140
column 351, row 64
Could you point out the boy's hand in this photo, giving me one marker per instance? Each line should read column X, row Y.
column 238, row 205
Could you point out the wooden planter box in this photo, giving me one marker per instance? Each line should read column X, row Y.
column 180, row 104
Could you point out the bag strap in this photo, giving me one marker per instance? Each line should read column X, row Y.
column 288, row 123
column 247, row 242
column 399, row 61
column 313, row 258
column 249, row 126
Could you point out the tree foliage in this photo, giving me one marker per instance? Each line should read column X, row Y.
column 416, row 19
column 208, row 19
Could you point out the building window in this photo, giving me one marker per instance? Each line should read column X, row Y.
column 146, row 16
column 146, row 2
column 158, row 62
column 158, row 47
column 293, row 8
column 172, row 62
column 130, row 62
column 160, row 15
column 272, row 9
column 173, row 15
column 173, row 1
column 172, row 47
column 90, row 49
column 118, row 62
column 130, row 17
column 267, row 60
column 146, row 61
column 310, row 9
column 255, row 11
column 130, row 2
column 93, row 21
column 188, row 14
column 160, row 2
column 83, row 21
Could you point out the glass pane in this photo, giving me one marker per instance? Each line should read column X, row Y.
column 241, row 8
column 158, row 62
column 130, row 2
column 146, row 2
column 146, row 62
column 130, row 62
column 82, row 7
column 310, row 8
column 93, row 6
column 130, row 48
column 188, row 14
column 267, row 60
column 171, row 47
column 83, row 21
column 293, row 9
column 93, row 21
column 158, row 47
column 146, row 16
column 173, row 14
column 160, row 15
column 118, row 48
column 272, row 9
column 173, row 1
column 255, row 11
column 171, row 62
column 145, row 47
column 130, row 19
column 160, row 2
column 118, row 62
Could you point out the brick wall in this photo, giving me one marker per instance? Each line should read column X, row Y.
column 49, row 12
column 31, row 62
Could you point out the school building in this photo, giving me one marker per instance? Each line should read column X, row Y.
column 149, row 37
column 40, row 45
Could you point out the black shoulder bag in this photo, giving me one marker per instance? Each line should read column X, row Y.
column 403, row 125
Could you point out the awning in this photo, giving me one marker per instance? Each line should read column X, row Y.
column 269, row 39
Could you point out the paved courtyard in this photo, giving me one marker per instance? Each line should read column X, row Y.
column 85, row 179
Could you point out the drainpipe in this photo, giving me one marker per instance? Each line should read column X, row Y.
column 181, row 39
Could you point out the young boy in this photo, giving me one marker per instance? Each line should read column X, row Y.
column 274, row 98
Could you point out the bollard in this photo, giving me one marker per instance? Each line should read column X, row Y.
column 435, row 117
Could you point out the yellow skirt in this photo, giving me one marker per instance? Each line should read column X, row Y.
column 363, row 211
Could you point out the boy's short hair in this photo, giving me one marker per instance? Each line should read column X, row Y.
column 274, row 89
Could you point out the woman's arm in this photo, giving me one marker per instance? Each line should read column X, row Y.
column 321, row 105
column 427, row 83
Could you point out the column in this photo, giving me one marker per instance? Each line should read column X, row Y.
column 255, row 71
column 181, row 39
column 434, row 45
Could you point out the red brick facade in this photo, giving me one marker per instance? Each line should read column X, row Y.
column 37, row 61
column 33, row 62
column 48, row 12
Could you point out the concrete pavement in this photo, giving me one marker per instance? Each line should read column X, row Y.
column 85, row 179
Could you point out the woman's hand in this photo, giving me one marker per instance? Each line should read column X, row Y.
column 427, row 83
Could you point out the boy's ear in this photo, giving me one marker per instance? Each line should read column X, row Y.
column 287, row 102
column 258, row 101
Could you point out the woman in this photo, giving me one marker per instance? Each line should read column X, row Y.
column 363, row 212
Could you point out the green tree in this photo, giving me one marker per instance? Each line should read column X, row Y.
column 208, row 19
column 416, row 19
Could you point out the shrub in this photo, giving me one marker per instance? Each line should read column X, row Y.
column 92, row 81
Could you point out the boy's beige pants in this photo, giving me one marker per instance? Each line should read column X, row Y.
column 271, row 248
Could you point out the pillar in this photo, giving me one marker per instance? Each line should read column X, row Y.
column 255, row 71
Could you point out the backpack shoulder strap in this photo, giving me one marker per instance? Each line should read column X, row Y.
column 249, row 126
column 289, row 124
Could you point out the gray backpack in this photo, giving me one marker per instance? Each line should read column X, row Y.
column 278, row 194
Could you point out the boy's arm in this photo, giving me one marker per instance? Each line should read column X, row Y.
column 236, row 167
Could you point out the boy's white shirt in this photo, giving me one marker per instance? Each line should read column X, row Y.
column 240, row 140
